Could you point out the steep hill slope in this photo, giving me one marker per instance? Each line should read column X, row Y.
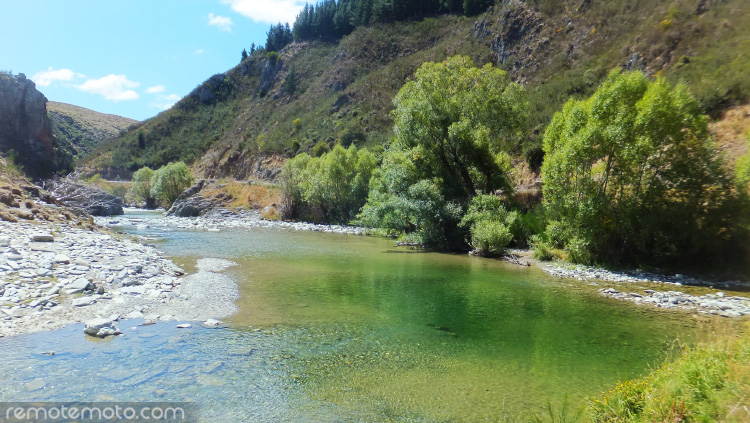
column 79, row 130
column 342, row 92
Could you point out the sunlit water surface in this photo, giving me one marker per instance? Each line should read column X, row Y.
column 347, row 328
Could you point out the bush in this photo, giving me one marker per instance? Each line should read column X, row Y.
column 631, row 176
column 140, row 186
column 330, row 188
column 489, row 237
column 169, row 182
column 543, row 249
column 320, row 148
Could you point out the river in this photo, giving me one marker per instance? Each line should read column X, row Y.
column 349, row 328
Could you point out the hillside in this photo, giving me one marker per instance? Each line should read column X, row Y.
column 79, row 130
column 342, row 91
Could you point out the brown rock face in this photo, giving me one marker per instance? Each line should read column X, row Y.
column 26, row 129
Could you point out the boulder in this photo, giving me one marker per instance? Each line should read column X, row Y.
column 92, row 199
column 191, row 203
column 42, row 237
column 79, row 285
column 101, row 327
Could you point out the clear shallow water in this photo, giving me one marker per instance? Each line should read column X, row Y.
column 346, row 328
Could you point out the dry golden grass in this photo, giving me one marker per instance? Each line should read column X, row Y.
column 731, row 132
column 245, row 195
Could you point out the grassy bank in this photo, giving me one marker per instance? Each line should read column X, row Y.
column 709, row 382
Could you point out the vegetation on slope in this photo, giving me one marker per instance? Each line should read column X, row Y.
column 78, row 130
column 331, row 91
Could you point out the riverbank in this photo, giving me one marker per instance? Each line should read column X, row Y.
column 646, row 288
column 229, row 219
column 53, row 275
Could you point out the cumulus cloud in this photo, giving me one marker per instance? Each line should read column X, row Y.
column 222, row 22
column 155, row 89
column 269, row 11
column 164, row 102
column 112, row 87
column 45, row 78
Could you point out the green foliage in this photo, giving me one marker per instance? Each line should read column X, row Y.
column 169, row 182
column 460, row 118
column 272, row 56
column 402, row 202
column 331, row 19
column 491, row 226
column 352, row 136
column 141, row 140
column 452, row 123
column 489, row 237
column 543, row 249
column 95, row 179
column 707, row 383
column 631, row 174
column 244, row 54
column 278, row 37
column 329, row 188
column 320, row 148
column 140, row 184
column 295, row 145
column 292, row 80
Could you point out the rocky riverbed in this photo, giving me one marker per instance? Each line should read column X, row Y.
column 225, row 219
column 715, row 303
column 53, row 275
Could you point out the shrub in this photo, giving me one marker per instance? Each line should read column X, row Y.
column 140, row 186
column 331, row 188
column 630, row 174
column 543, row 249
column 169, row 182
column 489, row 237
column 320, row 148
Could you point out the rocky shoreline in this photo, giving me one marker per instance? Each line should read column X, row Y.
column 717, row 303
column 228, row 219
column 53, row 275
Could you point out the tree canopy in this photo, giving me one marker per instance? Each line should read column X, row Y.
column 453, row 123
column 631, row 173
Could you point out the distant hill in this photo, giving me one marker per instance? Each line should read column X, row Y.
column 79, row 130
column 275, row 105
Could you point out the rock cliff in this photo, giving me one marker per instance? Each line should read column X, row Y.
column 25, row 130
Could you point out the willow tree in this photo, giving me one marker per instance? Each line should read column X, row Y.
column 454, row 124
column 631, row 175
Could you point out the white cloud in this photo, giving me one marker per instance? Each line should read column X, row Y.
column 164, row 102
column 45, row 78
column 270, row 11
column 155, row 89
column 199, row 51
column 222, row 22
column 112, row 87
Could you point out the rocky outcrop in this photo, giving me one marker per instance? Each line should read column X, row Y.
column 268, row 76
column 26, row 131
column 190, row 203
column 93, row 200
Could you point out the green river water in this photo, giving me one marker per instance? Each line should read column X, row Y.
column 347, row 328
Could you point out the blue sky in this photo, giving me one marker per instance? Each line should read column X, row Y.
column 132, row 58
